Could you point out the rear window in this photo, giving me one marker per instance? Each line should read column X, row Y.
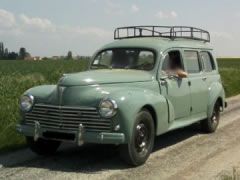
column 208, row 62
column 192, row 61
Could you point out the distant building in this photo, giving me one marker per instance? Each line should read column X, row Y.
column 55, row 57
column 37, row 58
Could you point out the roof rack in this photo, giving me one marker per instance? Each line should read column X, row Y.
column 171, row 32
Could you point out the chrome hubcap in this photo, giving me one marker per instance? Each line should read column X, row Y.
column 215, row 117
column 141, row 139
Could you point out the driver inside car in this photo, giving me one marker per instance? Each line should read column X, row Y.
column 173, row 65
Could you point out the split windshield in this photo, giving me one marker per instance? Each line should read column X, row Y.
column 139, row 59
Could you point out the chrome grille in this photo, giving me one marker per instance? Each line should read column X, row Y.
column 67, row 118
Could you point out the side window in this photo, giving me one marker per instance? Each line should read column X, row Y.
column 208, row 62
column 192, row 61
column 172, row 61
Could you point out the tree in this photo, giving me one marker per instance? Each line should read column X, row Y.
column 6, row 53
column 1, row 50
column 69, row 55
column 22, row 53
column 12, row 56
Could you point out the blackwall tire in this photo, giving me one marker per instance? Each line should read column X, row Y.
column 138, row 150
column 210, row 124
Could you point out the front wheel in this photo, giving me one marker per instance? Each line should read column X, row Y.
column 137, row 151
column 42, row 146
column 210, row 124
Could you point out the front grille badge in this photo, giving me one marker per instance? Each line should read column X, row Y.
column 36, row 130
column 80, row 135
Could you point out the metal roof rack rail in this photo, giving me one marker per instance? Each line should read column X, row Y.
column 171, row 32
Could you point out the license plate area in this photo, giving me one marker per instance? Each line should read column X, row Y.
column 59, row 136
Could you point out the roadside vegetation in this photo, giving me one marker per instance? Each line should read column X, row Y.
column 17, row 76
column 230, row 73
column 230, row 175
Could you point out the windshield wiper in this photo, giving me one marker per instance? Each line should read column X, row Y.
column 100, row 65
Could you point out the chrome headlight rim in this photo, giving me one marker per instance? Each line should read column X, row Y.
column 109, row 114
column 30, row 100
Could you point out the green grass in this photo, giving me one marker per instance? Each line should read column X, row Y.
column 17, row 76
column 230, row 175
column 230, row 73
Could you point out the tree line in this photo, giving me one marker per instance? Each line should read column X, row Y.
column 5, row 54
column 22, row 54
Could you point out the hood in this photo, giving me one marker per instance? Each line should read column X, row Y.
column 104, row 77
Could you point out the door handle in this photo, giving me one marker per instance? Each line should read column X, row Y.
column 163, row 82
column 204, row 78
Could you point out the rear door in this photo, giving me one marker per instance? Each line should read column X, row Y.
column 209, row 68
column 197, row 81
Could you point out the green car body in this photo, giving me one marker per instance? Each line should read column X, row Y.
column 172, row 102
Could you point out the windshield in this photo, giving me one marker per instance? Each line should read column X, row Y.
column 139, row 59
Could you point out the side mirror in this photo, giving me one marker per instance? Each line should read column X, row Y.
column 181, row 74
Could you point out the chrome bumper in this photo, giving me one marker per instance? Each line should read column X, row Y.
column 81, row 136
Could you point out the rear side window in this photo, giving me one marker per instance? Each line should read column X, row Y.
column 192, row 61
column 208, row 62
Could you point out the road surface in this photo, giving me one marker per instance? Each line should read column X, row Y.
column 183, row 154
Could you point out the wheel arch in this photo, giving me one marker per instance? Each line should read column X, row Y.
column 131, row 105
column 220, row 101
column 216, row 94
column 152, row 111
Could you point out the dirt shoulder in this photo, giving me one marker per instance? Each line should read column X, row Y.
column 181, row 154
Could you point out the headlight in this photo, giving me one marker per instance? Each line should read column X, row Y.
column 107, row 108
column 26, row 103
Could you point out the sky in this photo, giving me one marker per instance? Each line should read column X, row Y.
column 53, row 27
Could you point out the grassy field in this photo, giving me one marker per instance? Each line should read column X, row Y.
column 230, row 73
column 17, row 76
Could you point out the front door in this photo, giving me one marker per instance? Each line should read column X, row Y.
column 176, row 90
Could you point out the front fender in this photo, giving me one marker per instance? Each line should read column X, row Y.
column 215, row 91
column 131, row 102
column 44, row 93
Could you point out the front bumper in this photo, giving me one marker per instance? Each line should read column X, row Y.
column 79, row 137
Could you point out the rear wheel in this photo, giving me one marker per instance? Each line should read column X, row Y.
column 137, row 151
column 210, row 125
column 42, row 146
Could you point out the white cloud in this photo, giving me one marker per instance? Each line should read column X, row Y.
column 166, row 15
column 49, row 38
column 134, row 8
column 7, row 19
column 37, row 23
column 113, row 8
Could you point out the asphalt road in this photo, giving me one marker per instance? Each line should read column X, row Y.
column 183, row 154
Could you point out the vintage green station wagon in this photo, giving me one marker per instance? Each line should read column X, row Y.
column 150, row 80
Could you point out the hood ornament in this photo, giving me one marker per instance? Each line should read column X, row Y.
column 60, row 93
